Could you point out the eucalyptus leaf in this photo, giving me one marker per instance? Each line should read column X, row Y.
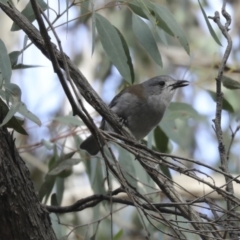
column 5, row 63
column 166, row 21
column 29, row 13
column 127, row 52
column 14, row 57
column 13, row 109
column 126, row 160
column 209, row 25
column 225, row 104
column 66, row 164
column 14, row 90
column 145, row 37
column 161, row 140
column 69, row 120
column 13, row 122
column 26, row 113
column 230, row 83
column 25, row 66
column 113, row 47
column 182, row 111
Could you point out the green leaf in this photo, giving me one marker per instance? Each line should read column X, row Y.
column 25, row 66
column 13, row 109
column 118, row 235
column 13, row 122
column 127, row 52
column 26, row 113
column 54, row 201
column 46, row 187
column 136, row 8
column 69, row 120
column 14, row 57
column 166, row 21
column 113, row 47
column 161, row 140
column 5, row 64
column 230, row 83
column 14, row 90
column 209, row 25
column 95, row 175
column 182, row 111
column 225, row 104
column 29, row 13
column 126, row 160
column 171, row 130
column 63, row 165
column 145, row 37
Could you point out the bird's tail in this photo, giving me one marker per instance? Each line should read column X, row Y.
column 90, row 145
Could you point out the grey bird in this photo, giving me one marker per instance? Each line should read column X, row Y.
column 140, row 106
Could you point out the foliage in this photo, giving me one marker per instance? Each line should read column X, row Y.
column 135, row 39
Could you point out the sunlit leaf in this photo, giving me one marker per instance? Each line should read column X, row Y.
column 145, row 37
column 230, row 83
column 209, row 25
column 113, row 47
column 29, row 13
column 26, row 113
column 5, row 63
column 225, row 104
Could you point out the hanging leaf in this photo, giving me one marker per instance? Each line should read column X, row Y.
column 14, row 57
column 113, row 47
column 69, row 120
column 5, row 63
column 14, row 90
column 25, row 66
column 167, row 22
column 13, row 109
column 26, row 113
column 230, row 83
column 225, row 104
column 209, row 25
column 13, row 122
column 182, row 111
column 126, row 160
column 63, row 165
column 161, row 140
column 127, row 52
column 145, row 37
column 29, row 13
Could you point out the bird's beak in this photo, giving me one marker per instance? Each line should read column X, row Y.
column 179, row 83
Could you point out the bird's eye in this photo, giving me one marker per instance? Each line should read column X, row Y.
column 162, row 83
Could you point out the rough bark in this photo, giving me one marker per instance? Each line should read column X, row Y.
column 21, row 215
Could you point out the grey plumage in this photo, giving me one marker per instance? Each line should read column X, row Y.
column 141, row 107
